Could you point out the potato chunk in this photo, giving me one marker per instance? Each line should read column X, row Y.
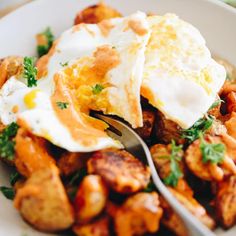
column 43, row 202
column 139, row 214
column 165, row 129
column 31, row 153
column 99, row 227
column 148, row 124
column 120, row 170
column 90, row 199
column 96, row 13
column 71, row 162
column 225, row 202
column 172, row 221
column 10, row 66
column 209, row 171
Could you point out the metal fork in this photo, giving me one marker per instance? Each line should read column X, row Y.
column 135, row 145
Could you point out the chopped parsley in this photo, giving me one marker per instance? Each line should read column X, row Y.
column 216, row 103
column 63, row 105
column 6, row 143
column 211, row 152
column 14, row 177
column 200, row 126
column 150, row 188
column 175, row 171
column 9, row 193
column 30, row 71
column 97, row 89
column 64, row 64
column 43, row 49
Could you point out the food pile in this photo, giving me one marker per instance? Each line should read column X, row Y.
column 69, row 176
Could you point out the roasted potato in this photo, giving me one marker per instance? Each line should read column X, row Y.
column 120, row 170
column 31, row 153
column 90, row 199
column 148, row 124
column 159, row 152
column 43, row 202
column 10, row 66
column 139, row 214
column 71, row 162
column 172, row 221
column 230, row 125
column 225, row 202
column 231, row 102
column 96, row 13
column 98, row 227
column 208, row 171
column 165, row 129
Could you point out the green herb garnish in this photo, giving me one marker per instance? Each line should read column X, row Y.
column 14, row 177
column 43, row 49
column 63, row 105
column 97, row 88
column 211, row 152
column 150, row 188
column 30, row 71
column 202, row 125
column 64, row 64
column 9, row 193
column 6, row 143
column 175, row 171
column 216, row 103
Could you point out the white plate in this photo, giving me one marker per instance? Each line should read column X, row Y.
column 215, row 20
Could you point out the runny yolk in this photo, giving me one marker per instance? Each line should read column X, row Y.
column 29, row 99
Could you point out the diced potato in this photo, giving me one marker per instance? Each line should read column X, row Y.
column 90, row 199
column 43, row 202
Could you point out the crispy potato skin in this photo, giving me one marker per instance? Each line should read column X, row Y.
column 99, row 227
column 71, row 162
column 90, row 199
column 120, row 170
column 96, row 13
column 174, row 223
column 209, row 171
column 165, row 129
column 31, row 153
column 230, row 125
column 171, row 220
column 139, row 214
column 148, row 124
column 43, row 202
column 225, row 202
column 10, row 66
column 231, row 102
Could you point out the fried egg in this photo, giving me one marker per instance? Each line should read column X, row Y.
column 95, row 67
column 180, row 78
column 110, row 54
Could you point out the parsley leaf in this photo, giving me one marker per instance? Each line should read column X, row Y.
column 6, row 143
column 193, row 132
column 49, row 38
column 62, row 105
column 175, row 171
column 14, row 177
column 216, row 103
column 97, row 88
column 30, row 71
column 211, row 152
column 64, row 64
column 9, row 193
column 150, row 188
